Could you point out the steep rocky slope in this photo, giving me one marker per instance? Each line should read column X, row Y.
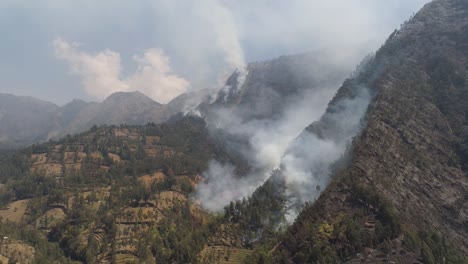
column 403, row 194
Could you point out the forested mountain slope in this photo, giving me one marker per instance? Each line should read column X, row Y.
column 403, row 194
column 112, row 194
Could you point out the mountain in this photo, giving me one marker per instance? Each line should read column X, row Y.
column 401, row 195
column 25, row 120
column 267, row 104
column 264, row 89
column 118, row 108
column 115, row 193
column 381, row 177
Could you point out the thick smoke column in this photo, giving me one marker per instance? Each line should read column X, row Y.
column 267, row 141
column 305, row 153
column 225, row 31
column 307, row 163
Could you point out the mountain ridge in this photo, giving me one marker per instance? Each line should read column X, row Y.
column 263, row 97
column 76, row 116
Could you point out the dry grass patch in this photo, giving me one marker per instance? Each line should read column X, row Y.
column 114, row 157
column 139, row 215
column 151, row 152
column 127, row 237
column 17, row 252
column 148, row 180
column 223, row 255
column 96, row 155
column 48, row 169
column 72, row 167
column 126, row 259
column 15, row 211
column 69, row 157
column 104, row 168
column 74, row 157
column 81, row 156
column 58, row 148
column 199, row 213
column 168, row 153
column 39, row 158
column 167, row 200
column 100, row 193
column 54, row 216
column 152, row 140
column 4, row 260
column 193, row 182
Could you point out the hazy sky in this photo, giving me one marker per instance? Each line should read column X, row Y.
column 59, row 49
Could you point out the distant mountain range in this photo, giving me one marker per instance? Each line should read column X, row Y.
column 25, row 120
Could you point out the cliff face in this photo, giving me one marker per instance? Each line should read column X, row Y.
column 412, row 151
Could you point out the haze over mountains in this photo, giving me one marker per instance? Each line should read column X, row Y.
column 26, row 120
column 266, row 93
column 298, row 159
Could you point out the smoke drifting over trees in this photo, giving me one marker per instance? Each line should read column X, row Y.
column 278, row 138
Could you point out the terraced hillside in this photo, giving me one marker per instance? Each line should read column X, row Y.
column 115, row 194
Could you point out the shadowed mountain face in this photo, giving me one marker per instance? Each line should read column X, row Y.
column 24, row 119
column 406, row 181
column 118, row 108
column 265, row 89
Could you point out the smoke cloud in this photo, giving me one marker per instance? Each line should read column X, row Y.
column 267, row 142
column 101, row 73
column 225, row 31
column 304, row 153
column 214, row 193
column 308, row 161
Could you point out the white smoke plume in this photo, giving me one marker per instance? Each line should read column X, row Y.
column 214, row 194
column 307, row 163
column 101, row 73
column 225, row 31
column 304, row 158
column 268, row 142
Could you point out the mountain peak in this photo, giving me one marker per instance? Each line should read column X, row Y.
column 129, row 97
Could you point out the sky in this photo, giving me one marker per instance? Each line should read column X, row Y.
column 59, row 50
